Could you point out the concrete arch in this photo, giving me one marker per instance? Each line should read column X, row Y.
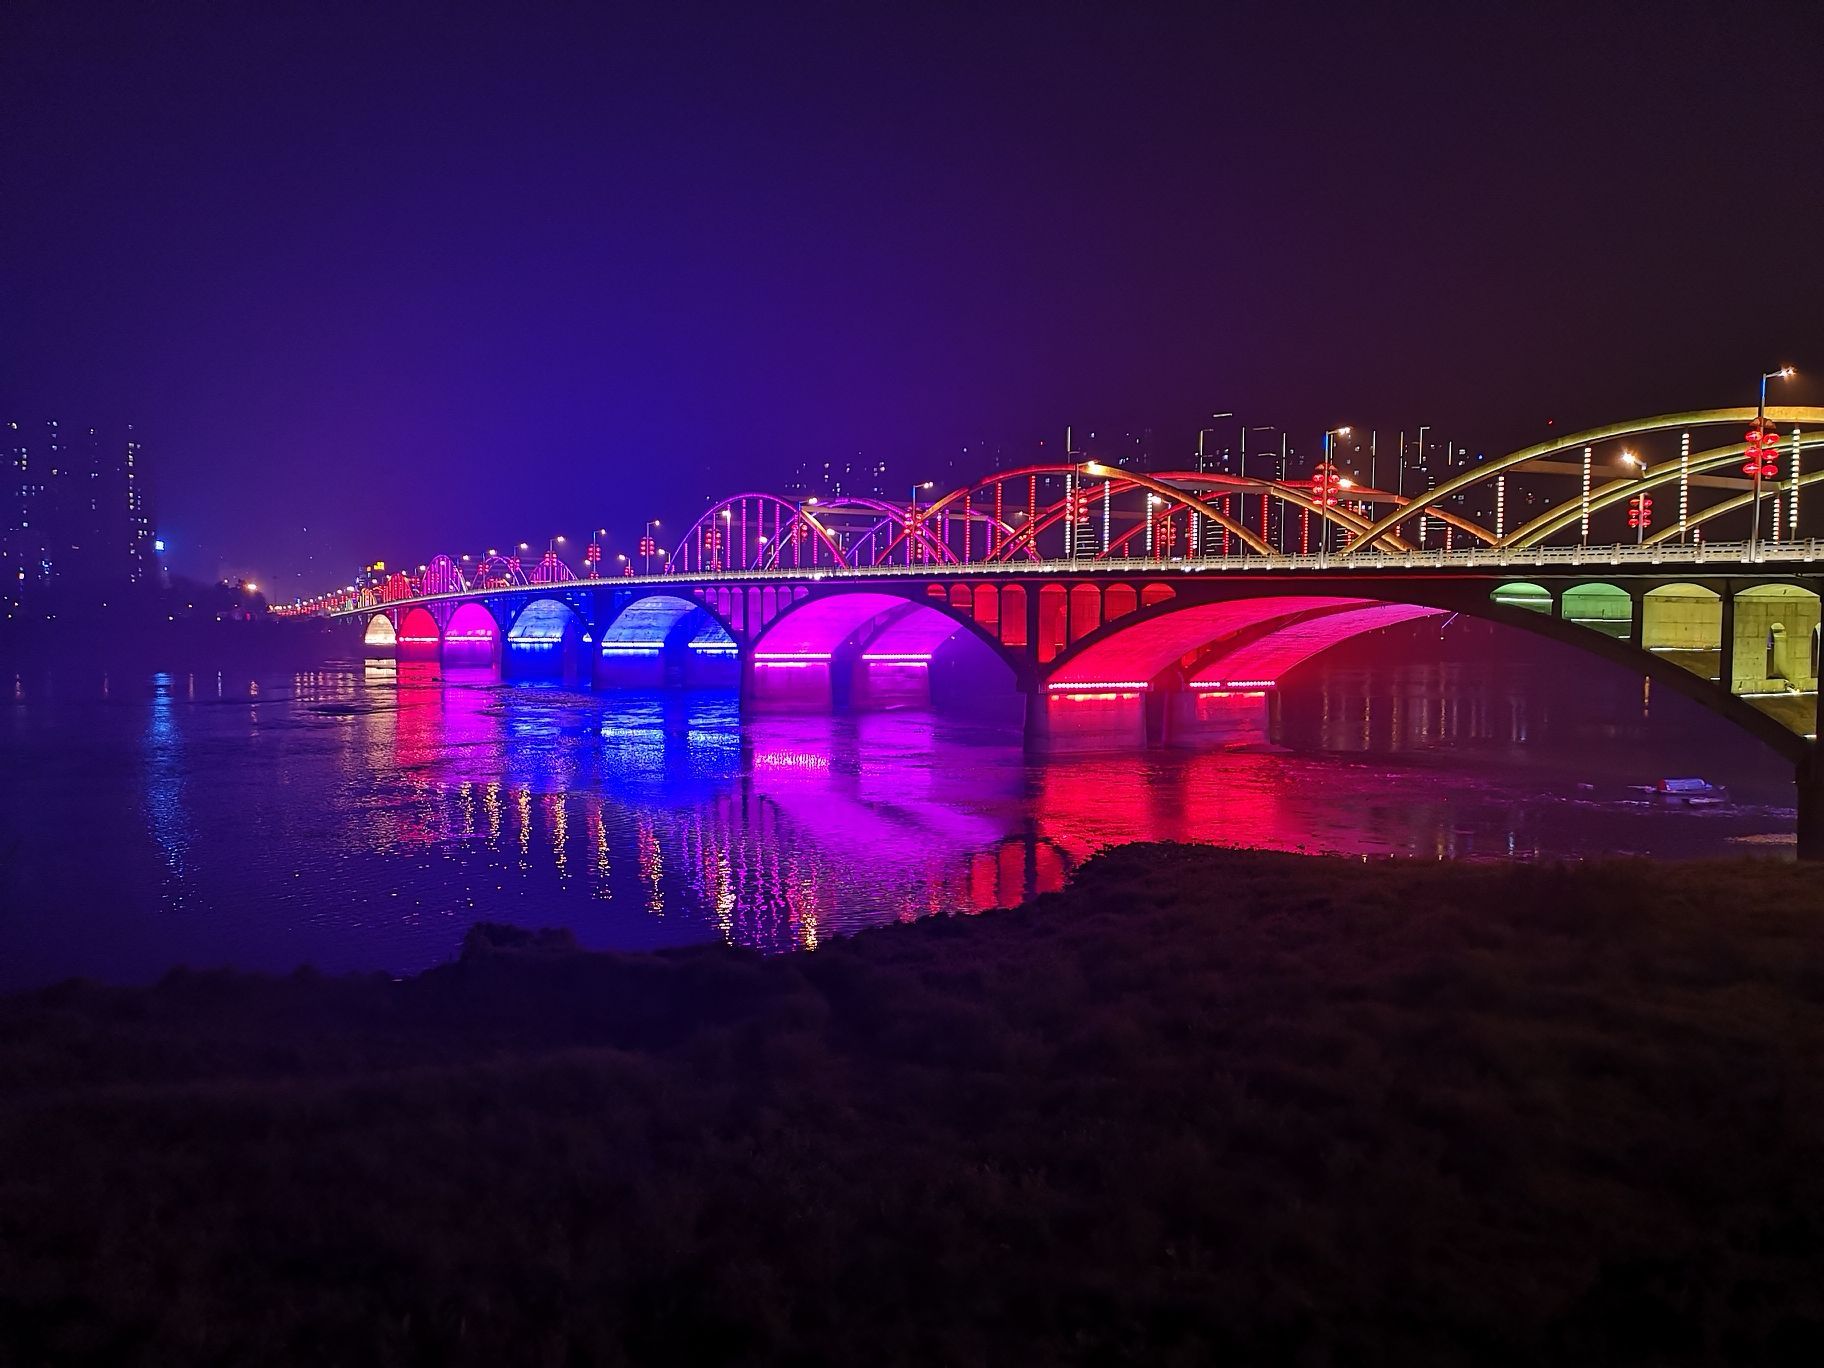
column 1122, row 676
column 380, row 636
column 1534, row 598
column 1260, row 660
column 664, row 638
column 1773, row 626
column 868, row 648
column 420, row 638
column 547, row 639
column 472, row 636
column 1604, row 607
column 1134, row 650
column 1661, row 669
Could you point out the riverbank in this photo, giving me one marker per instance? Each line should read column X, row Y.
column 1201, row 1105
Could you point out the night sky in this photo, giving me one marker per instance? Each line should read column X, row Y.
column 458, row 276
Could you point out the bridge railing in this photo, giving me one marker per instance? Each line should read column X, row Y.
column 1717, row 556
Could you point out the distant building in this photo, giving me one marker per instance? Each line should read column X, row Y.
column 857, row 477
column 76, row 513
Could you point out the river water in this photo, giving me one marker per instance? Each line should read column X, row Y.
column 362, row 816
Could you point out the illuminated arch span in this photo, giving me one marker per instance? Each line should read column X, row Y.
column 499, row 572
column 792, row 524
column 443, row 576
column 419, row 635
column 551, row 570
column 471, row 635
column 815, row 628
column 649, row 623
column 380, row 631
column 1140, row 647
column 1385, row 496
column 546, row 620
column 1785, row 416
column 884, row 531
column 1731, row 505
column 1241, row 641
column 1121, row 482
column 1262, row 659
column 1619, row 491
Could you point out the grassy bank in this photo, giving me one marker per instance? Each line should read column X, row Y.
column 1203, row 1106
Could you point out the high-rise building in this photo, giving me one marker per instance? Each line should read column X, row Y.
column 76, row 512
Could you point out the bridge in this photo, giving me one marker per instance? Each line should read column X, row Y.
column 1123, row 608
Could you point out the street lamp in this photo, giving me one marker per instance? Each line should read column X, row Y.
column 1325, row 484
column 912, row 517
column 1637, row 509
column 1760, row 426
column 648, row 547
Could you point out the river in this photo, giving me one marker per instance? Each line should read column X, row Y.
column 361, row 816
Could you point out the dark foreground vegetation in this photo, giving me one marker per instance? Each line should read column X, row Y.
column 1202, row 1107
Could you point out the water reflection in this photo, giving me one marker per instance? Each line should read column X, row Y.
column 363, row 817
column 166, row 817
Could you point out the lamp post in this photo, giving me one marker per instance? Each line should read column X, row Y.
column 1638, row 504
column 912, row 518
column 648, row 547
column 1324, row 486
column 1760, row 467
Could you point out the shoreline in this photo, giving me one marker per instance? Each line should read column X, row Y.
column 1201, row 1102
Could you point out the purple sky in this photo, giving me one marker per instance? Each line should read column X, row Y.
column 467, row 275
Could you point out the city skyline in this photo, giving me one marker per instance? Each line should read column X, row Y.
column 357, row 278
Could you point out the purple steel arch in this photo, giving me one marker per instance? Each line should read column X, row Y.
column 714, row 542
column 499, row 572
column 891, row 520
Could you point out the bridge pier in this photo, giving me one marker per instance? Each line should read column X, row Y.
column 1075, row 721
column 1809, row 778
column 1215, row 719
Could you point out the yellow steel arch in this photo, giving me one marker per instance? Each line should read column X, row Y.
column 1740, row 501
column 1560, row 516
column 1783, row 415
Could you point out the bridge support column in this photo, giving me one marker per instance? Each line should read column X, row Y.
column 1069, row 722
column 884, row 684
column 1215, row 719
column 801, row 685
column 1810, row 781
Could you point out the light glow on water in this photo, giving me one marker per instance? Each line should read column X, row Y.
column 363, row 818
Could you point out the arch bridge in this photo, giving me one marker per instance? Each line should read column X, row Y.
column 1125, row 608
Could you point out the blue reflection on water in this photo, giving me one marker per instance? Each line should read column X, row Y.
column 166, row 817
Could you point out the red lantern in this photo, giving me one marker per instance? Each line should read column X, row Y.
column 1640, row 511
column 1326, row 484
column 1762, row 451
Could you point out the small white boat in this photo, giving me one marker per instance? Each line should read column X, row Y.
column 1691, row 792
